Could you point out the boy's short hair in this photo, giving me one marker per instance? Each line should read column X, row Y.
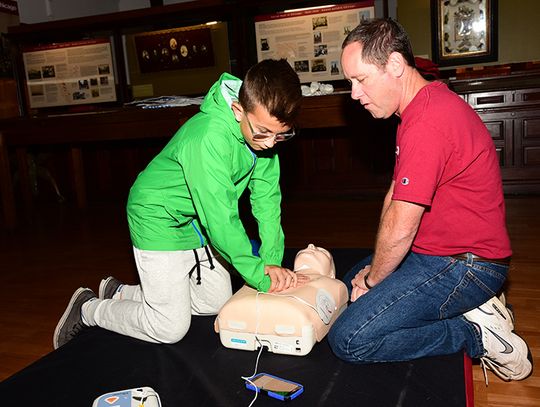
column 274, row 85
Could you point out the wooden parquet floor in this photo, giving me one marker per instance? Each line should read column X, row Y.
column 43, row 262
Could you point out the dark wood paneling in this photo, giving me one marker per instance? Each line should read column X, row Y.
column 340, row 149
column 510, row 108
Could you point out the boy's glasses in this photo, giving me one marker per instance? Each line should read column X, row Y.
column 259, row 136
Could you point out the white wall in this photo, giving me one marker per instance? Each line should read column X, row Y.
column 38, row 11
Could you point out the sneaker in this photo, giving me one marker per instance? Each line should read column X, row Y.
column 108, row 287
column 509, row 309
column 71, row 322
column 507, row 354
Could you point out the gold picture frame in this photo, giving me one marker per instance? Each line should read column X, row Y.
column 464, row 31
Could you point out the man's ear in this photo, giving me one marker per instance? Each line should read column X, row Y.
column 237, row 110
column 396, row 64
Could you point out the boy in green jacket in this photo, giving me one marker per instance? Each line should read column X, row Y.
column 186, row 199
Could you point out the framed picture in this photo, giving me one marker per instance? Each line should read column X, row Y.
column 463, row 31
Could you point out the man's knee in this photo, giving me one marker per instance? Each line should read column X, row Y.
column 343, row 344
column 337, row 342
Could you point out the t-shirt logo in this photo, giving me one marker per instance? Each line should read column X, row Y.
column 404, row 181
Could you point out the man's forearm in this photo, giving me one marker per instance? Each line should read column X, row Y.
column 397, row 229
column 387, row 201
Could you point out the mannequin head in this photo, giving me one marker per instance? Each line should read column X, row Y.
column 315, row 260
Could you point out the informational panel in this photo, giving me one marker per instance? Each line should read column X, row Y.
column 310, row 39
column 180, row 48
column 69, row 73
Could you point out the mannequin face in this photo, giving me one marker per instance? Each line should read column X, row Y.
column 315, row 259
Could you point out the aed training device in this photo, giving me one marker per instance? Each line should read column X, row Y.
column 136, row 397
column 274, row 386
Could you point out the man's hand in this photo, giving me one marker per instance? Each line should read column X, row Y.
column 283, row 278
column 358, row 286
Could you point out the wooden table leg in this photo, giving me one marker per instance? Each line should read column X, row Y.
column 6, row 187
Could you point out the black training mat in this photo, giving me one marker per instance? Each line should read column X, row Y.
column 199, row 371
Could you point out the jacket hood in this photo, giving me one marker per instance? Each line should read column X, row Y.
column 217, row 102
column 221, row 95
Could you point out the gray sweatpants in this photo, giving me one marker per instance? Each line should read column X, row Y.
column 160, row 308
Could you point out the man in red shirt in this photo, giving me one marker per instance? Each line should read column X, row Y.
column 442, row 249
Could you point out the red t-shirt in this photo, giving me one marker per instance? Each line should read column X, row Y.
column 446, row 161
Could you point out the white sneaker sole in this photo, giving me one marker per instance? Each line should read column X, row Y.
column 525, row 367
column 493, row 316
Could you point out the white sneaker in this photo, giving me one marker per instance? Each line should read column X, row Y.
column 508, row 308
column 507, row 354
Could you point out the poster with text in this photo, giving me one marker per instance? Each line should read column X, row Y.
column 310, row 39
column 69, row 73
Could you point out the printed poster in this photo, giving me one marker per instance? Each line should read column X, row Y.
column 69, row 73
column 310, row 39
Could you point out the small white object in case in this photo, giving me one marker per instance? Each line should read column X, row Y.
column 136, row 397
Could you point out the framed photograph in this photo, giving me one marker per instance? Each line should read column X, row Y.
column 463, row 31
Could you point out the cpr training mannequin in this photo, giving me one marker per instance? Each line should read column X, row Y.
column 291, row 321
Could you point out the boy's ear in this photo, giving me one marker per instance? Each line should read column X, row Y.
column 237, row 110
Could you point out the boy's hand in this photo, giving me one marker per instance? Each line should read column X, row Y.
column 281, row 277
column 301, row 279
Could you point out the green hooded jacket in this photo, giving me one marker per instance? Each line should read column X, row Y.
column 188, row 195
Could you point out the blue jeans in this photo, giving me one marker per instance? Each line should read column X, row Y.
column 416, row 311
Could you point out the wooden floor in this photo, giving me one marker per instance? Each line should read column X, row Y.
column 43, row 263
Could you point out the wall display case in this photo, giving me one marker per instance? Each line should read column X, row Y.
column 340, row 150
column 185, row 60
column 180, row 22
column 180, row 48
column 464, row 31
column 171, row 50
